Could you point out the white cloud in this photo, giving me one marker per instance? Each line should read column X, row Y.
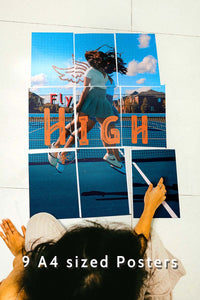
column 147, row 65
column 141, row 81
column 39, row 80
column 69, row 86
column 142, row 89
column 34, row 89
column 144, row 40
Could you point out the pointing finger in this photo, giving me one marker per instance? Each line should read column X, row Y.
column 160, row 182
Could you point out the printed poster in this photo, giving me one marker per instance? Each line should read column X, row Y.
column 60, row 65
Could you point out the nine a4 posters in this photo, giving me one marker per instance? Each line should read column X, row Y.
column 93, row 161
column 60, row 63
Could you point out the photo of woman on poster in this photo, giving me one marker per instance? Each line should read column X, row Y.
column 97, row 107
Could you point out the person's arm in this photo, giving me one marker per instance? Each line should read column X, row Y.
column 152, row 200
column 84, row 93
column 10, row 287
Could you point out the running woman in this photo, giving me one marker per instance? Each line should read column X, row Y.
column 94, row 102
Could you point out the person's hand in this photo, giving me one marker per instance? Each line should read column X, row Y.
column 155, row 196
column 12, row 238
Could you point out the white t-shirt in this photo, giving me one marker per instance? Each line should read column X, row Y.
column 96, row 77
column 160, row 281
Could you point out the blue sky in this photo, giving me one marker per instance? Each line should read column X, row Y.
column 140, row 54
column 50, row 49
column 55, row 49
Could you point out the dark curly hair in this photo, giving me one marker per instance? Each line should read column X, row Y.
column 110, row 61
column 106, row 60
column 88, row 242
column 95, row 58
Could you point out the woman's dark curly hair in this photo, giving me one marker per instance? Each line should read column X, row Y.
column 88, row 242
column 106, row 60
column 110, row 61
column 95, row 58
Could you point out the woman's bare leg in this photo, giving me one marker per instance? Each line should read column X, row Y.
column 71, row 140
column 68, row 129
column 115, row 152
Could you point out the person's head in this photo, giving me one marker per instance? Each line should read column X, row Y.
column 106, row 61
column 81, row 278
column 95, row 58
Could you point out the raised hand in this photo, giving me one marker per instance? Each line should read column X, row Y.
column 152, row 199
column 155, row 196
column 11, row 236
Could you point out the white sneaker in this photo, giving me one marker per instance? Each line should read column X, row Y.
column 59, row 165
column 111, row 159
column 121, row 170
column 51, row 156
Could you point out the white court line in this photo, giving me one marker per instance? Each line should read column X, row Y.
column 36, row 130
column 164, row 203
column 52, row 150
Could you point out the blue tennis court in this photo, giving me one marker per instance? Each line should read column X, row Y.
column 155, row 164
column 52, row 192
column 103, row 190
column 156, row 131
